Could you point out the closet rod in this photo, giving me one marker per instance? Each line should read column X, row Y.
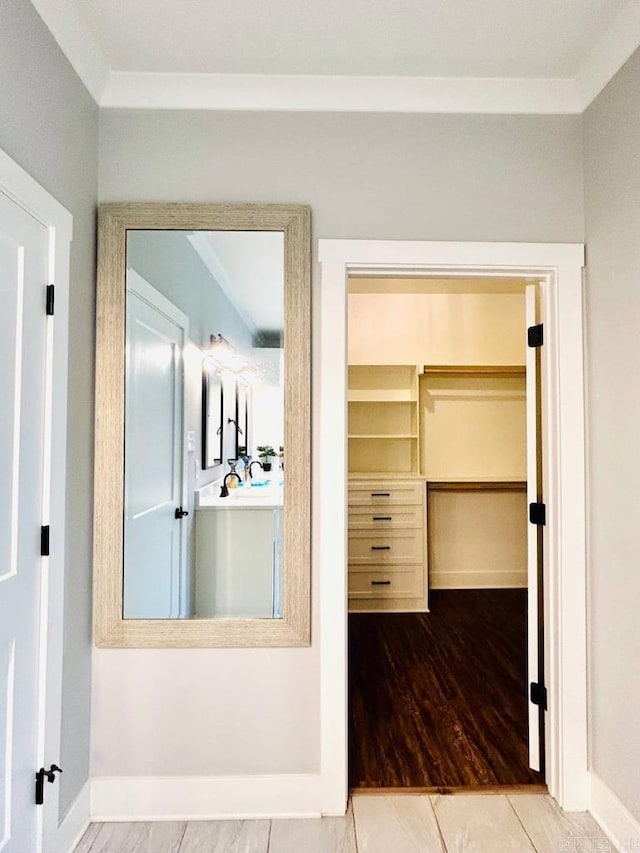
column 477, row 486
column 474, row 370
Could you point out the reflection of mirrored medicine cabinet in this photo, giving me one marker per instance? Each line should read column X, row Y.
column 202, row 391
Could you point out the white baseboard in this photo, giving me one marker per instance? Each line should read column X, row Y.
column 74, row 823
column 488, row 579
column 614, row 818
column 205, row 797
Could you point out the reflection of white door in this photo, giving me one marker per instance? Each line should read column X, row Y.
column 24, row 246
column 154, row 543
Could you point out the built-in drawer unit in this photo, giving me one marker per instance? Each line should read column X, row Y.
column 387, row 544
column 385, row 492
column 396, row 517
column 379, row 582
column 397, row 546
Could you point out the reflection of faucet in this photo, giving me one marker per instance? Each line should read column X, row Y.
column 224, row 491
column 255, row 462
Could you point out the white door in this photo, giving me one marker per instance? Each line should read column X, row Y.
column 154, row 543
column 535, row 635
column 24, row 245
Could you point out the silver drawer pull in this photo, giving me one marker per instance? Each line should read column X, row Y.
column 382, row 518
column 380, row 494
column 380, row 583
column 381, row 547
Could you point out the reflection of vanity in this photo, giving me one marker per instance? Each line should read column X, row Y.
column 237, row 551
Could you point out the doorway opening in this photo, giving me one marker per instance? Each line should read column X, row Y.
column 443, row 590
column 559, row 269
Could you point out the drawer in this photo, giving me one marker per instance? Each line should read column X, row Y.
column 394, row 546
column 377, row 583
column 395, row 517
column 385, row 492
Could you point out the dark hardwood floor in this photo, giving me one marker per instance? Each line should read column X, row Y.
column 438, row 700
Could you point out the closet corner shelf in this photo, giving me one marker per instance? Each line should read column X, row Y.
column 468, row 484
column 474, row 370
column 384, row 435
column 385, row 475
column 390, row 396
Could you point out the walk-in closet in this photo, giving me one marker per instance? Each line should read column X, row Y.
column 438, row 573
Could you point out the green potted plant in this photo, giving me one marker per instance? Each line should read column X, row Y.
column 266, row 452
column 281, row 456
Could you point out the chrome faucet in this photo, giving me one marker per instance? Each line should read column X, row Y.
column 255, row 462
column 224, row 491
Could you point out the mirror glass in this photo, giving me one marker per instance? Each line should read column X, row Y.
column 204, row 424
column 212, row 409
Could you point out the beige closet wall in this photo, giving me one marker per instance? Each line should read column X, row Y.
column 477, row 539
column 436, row 328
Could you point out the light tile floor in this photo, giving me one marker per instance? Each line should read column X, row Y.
column 462, row 823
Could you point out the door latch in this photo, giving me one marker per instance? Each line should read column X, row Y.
column 180, row 513
column 41, row 775
column 538, row 694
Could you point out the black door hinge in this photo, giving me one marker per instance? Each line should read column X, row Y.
column 537, row 513
column 50, row 299
column 535, row 335
column 538, row 694
column 41, row 775
column 44, row 540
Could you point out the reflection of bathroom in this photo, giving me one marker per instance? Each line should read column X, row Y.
column 211, row 306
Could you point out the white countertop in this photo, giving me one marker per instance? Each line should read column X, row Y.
column 263, row 494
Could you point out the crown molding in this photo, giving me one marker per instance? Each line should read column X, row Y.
column 77, row 42
column 339, row 93
column 614, row 47
column 323, row 93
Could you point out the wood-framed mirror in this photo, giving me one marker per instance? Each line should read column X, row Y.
column 212, row 416
column 195, row 551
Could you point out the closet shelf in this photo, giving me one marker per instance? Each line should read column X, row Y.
column 470, row 484
column 388, row 396
column 384, row 435
column 384, row 421
column 474, row 370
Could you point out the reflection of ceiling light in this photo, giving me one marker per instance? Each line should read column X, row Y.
column 250, row 376
column 226, row 357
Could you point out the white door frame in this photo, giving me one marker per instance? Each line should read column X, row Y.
column 20, row 187
column 559, row 268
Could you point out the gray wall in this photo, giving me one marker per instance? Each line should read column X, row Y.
column 423, row 177
column 612, row 216
column 49, row 125
column 386, row 176
column 168, row 261
column 367, row 176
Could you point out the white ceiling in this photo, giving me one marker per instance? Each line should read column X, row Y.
column 431, row 38
column 399, row 55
